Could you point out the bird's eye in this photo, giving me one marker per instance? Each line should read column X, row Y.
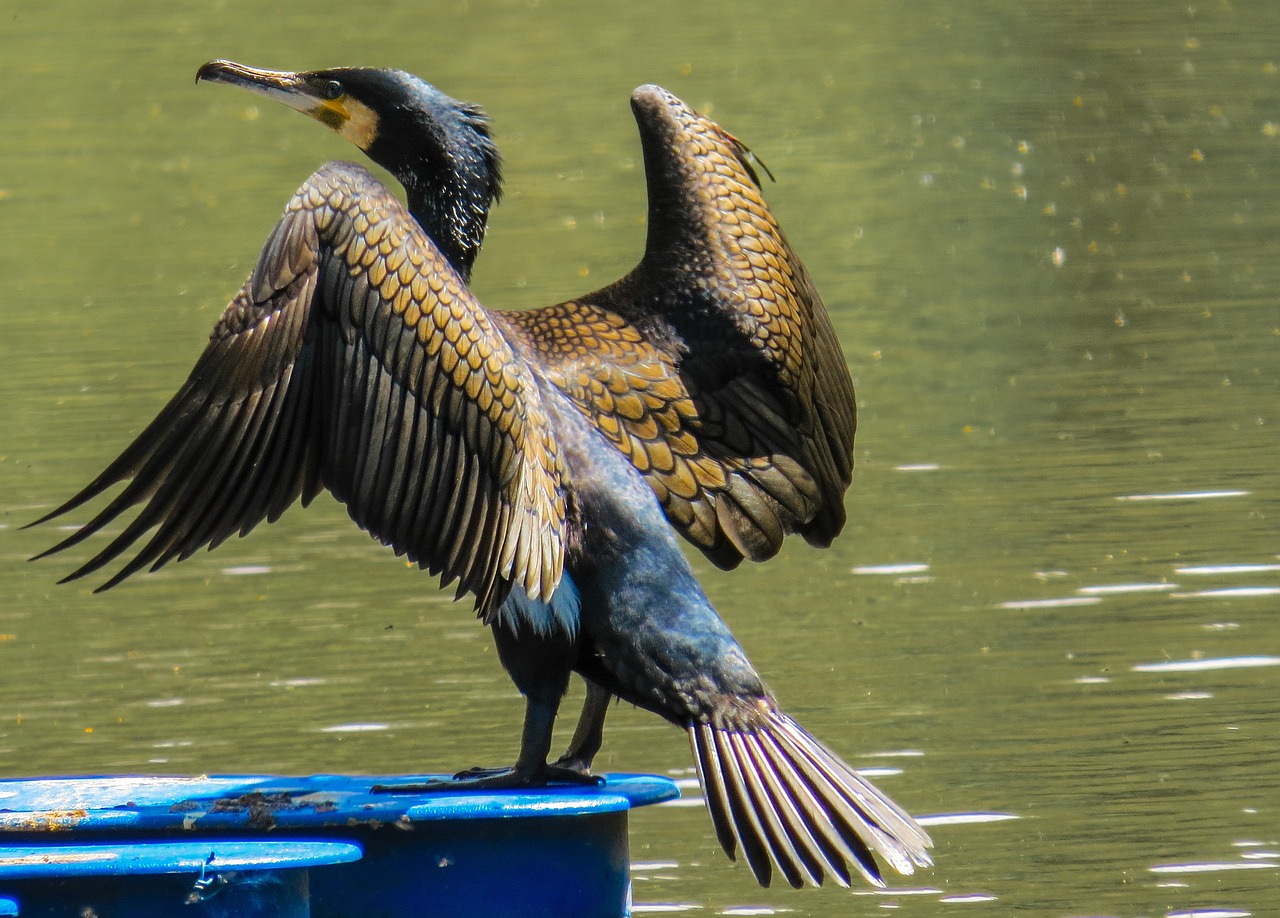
column 331, row 90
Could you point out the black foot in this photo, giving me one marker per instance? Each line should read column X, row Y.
column 571, row 761
column 495, row 779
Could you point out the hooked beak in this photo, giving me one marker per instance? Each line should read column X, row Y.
column 314, row 93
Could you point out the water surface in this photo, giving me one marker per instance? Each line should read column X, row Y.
column 1047, row 234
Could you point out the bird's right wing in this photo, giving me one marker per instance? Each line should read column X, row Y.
column 354, row 358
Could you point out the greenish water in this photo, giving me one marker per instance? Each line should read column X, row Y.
column 1048, row 235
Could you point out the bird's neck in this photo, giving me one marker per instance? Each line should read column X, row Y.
column 455, row 220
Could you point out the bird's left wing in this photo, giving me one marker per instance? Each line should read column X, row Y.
column 713, row 365
column 354, row 358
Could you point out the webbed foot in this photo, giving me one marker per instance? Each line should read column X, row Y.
column 496, row 779
column 573, row 761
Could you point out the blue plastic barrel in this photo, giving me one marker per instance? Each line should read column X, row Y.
column 256, row 846
column 143, row 877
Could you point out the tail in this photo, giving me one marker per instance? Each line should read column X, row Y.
column 789, row 800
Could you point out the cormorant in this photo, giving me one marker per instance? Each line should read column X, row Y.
column 535, row 457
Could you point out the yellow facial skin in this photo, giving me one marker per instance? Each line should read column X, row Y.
column 352, row 119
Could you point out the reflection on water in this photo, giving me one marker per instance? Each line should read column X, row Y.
column 960, row 819
column 1199, row 666
column 1046, row 233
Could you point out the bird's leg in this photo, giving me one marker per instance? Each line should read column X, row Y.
column 539, row 665
column 589, row 734
column 531, row 768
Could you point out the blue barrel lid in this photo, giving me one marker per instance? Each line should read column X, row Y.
column 259, row 802
column 154, row 856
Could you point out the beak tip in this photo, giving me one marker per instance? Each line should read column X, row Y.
column 217, row 71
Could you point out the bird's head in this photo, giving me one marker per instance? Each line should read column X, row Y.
column 438, row 148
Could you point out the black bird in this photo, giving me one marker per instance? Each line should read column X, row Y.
column 535, row 457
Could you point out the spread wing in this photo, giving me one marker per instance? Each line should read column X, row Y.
column 353, row 359
column 713, row 365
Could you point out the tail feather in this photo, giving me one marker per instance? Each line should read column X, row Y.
column 868, row 818
column 787, row 839
column 744, row 812
column 787, row 800
column 711, row 778
column 822, row 841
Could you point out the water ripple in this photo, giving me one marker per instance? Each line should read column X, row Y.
column 964, row 819
column 1227, row 569
column 1050, row 603
column 1214, row 867
column 1230, row 592
column 1184, row 495
column 355, row 728
column 1107, row 589
column 1195, row 666
column 891, row 569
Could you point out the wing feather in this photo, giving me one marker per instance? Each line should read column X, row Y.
column 759, row 342
column 356, row 360
column 713, row 365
